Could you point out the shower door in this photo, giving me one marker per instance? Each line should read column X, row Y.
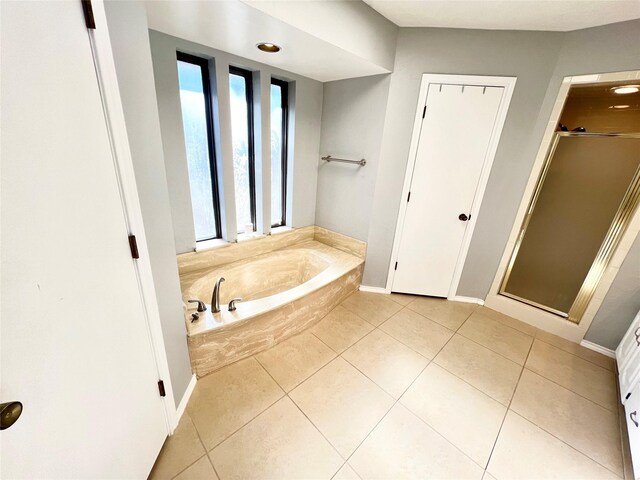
column 585, row 197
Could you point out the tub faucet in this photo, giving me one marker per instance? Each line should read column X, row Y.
column 215, row 298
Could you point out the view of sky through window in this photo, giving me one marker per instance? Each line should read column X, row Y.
column 276, row 154
column 194, row 121
column 240, row 140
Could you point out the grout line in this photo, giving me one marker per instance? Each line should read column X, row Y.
column 573, row 354
column 513, row 394
column 569, row 445
column 569, row 390
column 491, row 350
column 188, row 466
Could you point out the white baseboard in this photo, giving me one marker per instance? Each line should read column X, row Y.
column 598, row 348
column 458, row 298
column 364, row 288
column 185, row 398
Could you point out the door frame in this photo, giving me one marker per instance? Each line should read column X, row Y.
column 534, row 316
column 508, row 83
column 123, row 164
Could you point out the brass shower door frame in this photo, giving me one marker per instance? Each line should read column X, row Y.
column 619, row 224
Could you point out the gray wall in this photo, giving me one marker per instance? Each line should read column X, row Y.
column 353, row 113
column 307, row 100
column 620, row 305
column 530, row 56
column 127, row 24
column 611, row 48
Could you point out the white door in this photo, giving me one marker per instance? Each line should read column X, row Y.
column 75, row 345
column 452, row 148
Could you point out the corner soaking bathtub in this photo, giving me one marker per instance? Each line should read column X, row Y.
column 283, row 292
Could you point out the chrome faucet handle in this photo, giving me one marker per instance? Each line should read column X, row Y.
column 201, row 306
column 232, row 304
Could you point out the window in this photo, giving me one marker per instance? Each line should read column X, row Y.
column 195, row 100
column 279, row 122
column 243, row 150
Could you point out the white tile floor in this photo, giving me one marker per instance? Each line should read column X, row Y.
column 394, row 386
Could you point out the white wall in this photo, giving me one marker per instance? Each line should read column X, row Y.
column 353, row 113
column 307, row 107
column 130, row 42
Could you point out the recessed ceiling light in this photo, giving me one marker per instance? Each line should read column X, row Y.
column 270, row 47
column 626, row 89
column 619, row 106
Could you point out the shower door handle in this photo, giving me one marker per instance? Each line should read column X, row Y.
column 464, row 217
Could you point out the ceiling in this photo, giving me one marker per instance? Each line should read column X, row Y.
column 548, row 15
column 236, row 27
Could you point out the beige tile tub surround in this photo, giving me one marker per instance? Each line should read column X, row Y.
column 357, row 248
column 233, row 252
column 215, row 348
column 303, row 282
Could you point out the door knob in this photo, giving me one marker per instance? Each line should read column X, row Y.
column 9, row 414
column 464, row 217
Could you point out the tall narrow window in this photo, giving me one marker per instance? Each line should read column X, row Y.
column 279, row 121
column 197, row 121
column 243, row 150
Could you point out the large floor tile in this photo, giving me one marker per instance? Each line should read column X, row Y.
column 278, row 444
column 225, row 400
column 417, row 332
column 582, row 352
column 389, row 363
column 508, row 321
column 498, row 337
column 587, row 427
column 578, row 375
column 524, row 451
column 295, row 359
column 201, row 470
column 488, row 371
column 403, row 447
column 402, row 298
column 375, row 308
column 341, row 328
column 462, row 414
column 346, row 473
column 343, row 403
column 445, row 312
column 179, row 451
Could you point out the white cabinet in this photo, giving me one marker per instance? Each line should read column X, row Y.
column 628, row 357
column 632, row 414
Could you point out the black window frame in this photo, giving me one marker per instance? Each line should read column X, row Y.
column 284, row 104
column 248, row 79
column 203, row 63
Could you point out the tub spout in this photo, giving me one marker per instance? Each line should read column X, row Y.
column 215, row 297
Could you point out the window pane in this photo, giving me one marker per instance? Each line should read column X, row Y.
column 276, row 155
column 194, row 121
column 240, row 138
